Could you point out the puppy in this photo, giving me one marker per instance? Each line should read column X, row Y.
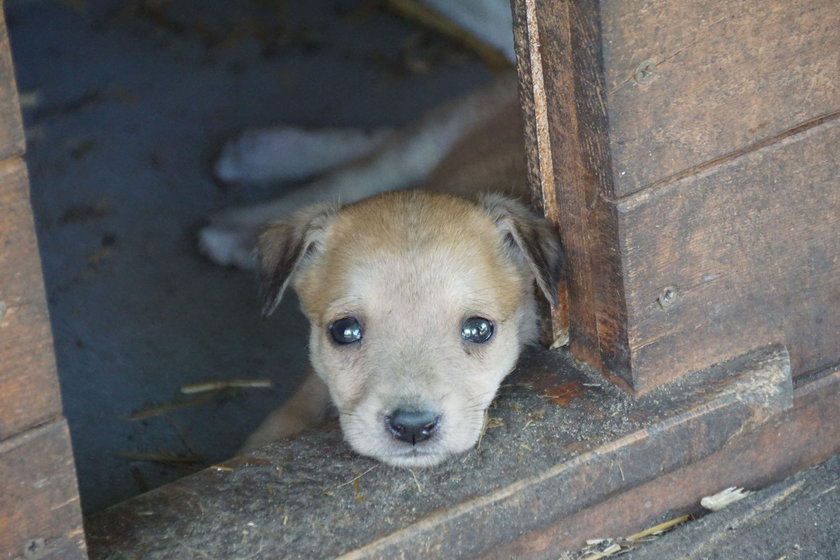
column 419, row 305
column 419, row 300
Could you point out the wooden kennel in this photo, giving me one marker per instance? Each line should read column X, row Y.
column 688, row 152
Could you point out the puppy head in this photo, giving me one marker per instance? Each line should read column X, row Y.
column 419, row 305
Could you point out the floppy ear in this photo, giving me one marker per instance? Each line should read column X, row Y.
column 283, row 247
column 529, row 238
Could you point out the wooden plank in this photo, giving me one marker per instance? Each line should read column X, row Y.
column 804, row 436
column 12, row 141
column 310, row 497
column 40, row 515
column 751, row 252
column 563, row 97
column 29, row 391
column 728, row 79
column 690, row 81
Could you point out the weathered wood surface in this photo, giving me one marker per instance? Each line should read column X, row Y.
column 691, row 81
column 740, row 102
column 28, row 383
column 751, row 252
column 40, row 514
column 805, row 435
column 556, row 445
column 12, row 141
column 563, row 99
column 793, row 518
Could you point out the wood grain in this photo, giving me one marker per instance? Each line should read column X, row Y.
column 28, row 383
column 12, row 141
column 751, row 250
column 722, row 76
column 628, row 107
column 796, row 440
column 40, row 515
column 544, row 462
column 564, row 104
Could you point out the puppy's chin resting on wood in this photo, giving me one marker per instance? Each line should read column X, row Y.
column 419, row 305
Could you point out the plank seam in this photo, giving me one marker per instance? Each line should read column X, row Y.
column 645, row 193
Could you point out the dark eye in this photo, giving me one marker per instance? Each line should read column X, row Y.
column 346, row 330
column 477, row 329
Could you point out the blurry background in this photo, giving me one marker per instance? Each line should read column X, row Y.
column 125, row 104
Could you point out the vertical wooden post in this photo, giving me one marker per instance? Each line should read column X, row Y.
column 558, row 47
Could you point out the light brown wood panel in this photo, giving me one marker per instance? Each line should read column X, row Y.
column 40, row 515
column 751, row 252
column 28, row 383
column 723, row 75
column 12, row 141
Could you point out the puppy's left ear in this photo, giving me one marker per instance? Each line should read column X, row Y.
column 529, row 238
column 284, row 247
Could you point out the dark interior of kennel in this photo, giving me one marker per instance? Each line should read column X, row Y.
column 124, row 111
column 687, row 151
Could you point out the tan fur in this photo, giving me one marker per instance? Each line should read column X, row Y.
column 372, row 237
column 473, row 143
column 411, row 271
column 489, row 157
column 410, row 266
column 306, row 408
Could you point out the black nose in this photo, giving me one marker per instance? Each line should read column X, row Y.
column 412, row 426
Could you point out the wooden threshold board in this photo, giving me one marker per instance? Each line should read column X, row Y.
column 561, row 445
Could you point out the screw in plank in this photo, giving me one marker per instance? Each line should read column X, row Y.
column 34, row 548
column 668, row 297
column 644, row 72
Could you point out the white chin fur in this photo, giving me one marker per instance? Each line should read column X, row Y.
column 398, row 454
column 414, row 460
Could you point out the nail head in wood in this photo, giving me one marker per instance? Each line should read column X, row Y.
column 668, row 297
column 34, row 548
column 644, row 72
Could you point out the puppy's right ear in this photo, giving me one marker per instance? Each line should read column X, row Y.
column 529, row 238
column 283, row 247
